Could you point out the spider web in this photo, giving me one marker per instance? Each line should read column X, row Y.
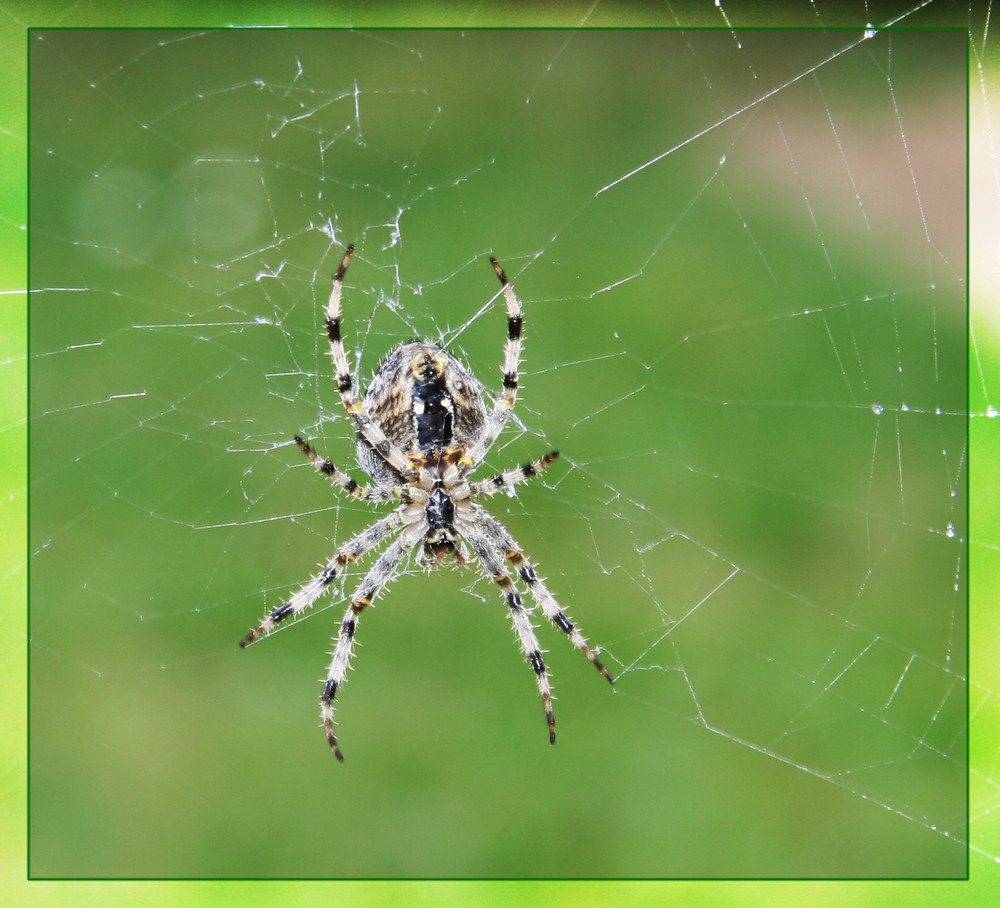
column 743, row 273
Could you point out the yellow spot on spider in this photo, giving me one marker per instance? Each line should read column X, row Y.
column 421, row 361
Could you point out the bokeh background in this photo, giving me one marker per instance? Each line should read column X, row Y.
column 751, row 352
column 984, row 366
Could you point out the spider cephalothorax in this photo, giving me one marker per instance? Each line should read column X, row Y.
column 422, row 429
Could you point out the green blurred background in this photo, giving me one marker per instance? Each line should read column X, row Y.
column 724, row 467
column 757, row 383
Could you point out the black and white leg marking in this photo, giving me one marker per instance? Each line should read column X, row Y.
column 382, row 571
column 539, row 591
column 372, row 433
column 364, row 542
column 492, row 561
column 509, row 477
column 503, row 406
column 347, row 482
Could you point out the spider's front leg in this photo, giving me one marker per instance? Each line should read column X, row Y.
column 503, row 405
column 366, row 426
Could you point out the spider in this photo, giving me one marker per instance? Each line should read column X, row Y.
column 422, row 429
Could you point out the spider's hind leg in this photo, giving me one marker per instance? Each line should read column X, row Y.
column 540, row 592
column 491, row 558
column 299, row 601
column 550, row 608
column 381, row 573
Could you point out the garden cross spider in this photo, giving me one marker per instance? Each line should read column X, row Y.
column 422, row 428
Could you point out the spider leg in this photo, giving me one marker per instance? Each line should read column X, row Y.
column 382, row 571
column 516, row 474
column 311, row 591
column 372, row 433
column 491, row 558
column 347, row 482
column 503, row 406
column 539, row 591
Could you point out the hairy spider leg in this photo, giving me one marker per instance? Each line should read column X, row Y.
column 366, row 426
column 492, row 562
column 501, row 538
column 381, row 572
column 523, row 473
column 364, row 542
column 503, row 405
column 347, row 482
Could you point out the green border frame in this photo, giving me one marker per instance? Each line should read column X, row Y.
column 984, row 568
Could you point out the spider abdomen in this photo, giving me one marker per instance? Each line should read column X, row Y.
column 425, row 401
column 432, row 403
